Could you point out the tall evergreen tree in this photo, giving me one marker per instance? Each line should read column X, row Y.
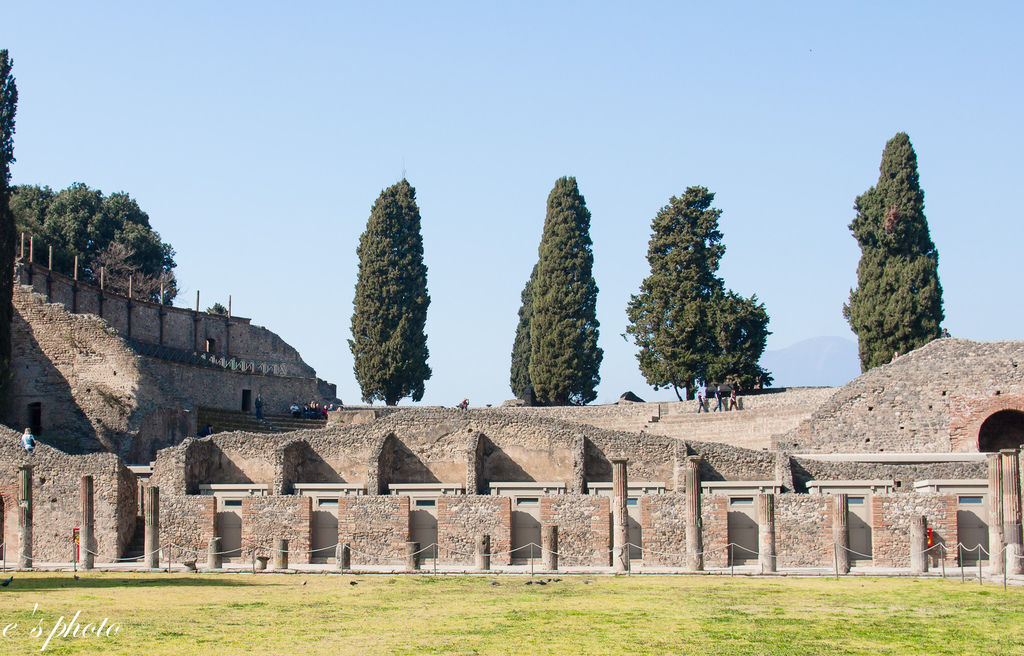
column 687, row 325
column 519, row 377
column 388, row 342
column 8, row 106
column 564, row 356
column 897, row 305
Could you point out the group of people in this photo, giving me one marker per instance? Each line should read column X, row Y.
column 720, row 393
column 313, row 410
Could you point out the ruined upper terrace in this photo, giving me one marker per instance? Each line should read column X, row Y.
column 190, row 331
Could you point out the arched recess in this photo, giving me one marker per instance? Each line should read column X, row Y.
column 1001, row 430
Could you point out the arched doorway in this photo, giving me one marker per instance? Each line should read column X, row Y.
column 1002, row 430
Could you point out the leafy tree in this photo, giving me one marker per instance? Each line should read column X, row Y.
column 519, row 377
column 388, row 342
column 564, row 356
column 217, row 308
column 110, row 232
column 687, row 326
column 897, row 305
column 8, row 107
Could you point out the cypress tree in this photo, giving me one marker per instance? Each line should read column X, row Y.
column 687, row 326
column 8, row 106
column 897, row 305
column 564, row 356
column 519, row 376
column 388, row 344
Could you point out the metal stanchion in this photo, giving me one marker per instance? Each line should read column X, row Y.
column 943, row 561
column 960, row 549
column 979, row 566
column 732, row 561
column 835, row 558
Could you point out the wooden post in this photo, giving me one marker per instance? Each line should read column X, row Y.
column 76, row 267
column 152, row 520
column 841, row 532
column 995, row 514
column 214, row 559
column 343, row 556
column 85, row 532
column 549, row 547
column 412, row 558
column 918, row 557
column 22, row 255
column 620, row 519
column 482, row 551
column 1012, row 511
column 31, row 248
column 280, row 554
column 766, row 532
column 694, row 540
column 25, row 517
column 50, row 265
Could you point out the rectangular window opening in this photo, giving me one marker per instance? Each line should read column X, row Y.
column 527, row 501
column 426, row 503
column 741, row 501
column 323, row 503
column 971, row 500
column 232, row 503
column 855, row 501
column 632, row 502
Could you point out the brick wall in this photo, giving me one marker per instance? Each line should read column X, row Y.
column 188, row 521
column 584, row 527
column 715, row 533
column 376, row 527
column 460, row 518
column 890, row 526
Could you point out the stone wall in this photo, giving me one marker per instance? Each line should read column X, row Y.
column 56, row 496
column 267, row 518
column 906, row 406
column 189, row 522
column 461, row 518
column 905, row 474
column 584, row 528
column 182, row 328
column 803, row 530
column 890, row 526
column 376, row 528
column 663, row 521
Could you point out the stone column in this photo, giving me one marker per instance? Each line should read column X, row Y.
column 412, row 558
column 25, row 517
column 280, row 554
column 152, row 521
column 343, row 556
column 995, row 515
column 549, row 547
column 841, row 532
column 214, row 559
column 85, row 532
column 482, row 551
column 918, row 557
column 766, row 532
column 694, row 540
column 1011, row 511
column 620, row 520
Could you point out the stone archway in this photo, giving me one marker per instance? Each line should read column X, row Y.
column 1001, row 430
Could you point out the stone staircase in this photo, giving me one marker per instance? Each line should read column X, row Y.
column 228, row 420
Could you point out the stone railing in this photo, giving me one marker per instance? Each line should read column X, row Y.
column 214, row 360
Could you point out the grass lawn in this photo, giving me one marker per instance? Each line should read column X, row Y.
column 325, row 614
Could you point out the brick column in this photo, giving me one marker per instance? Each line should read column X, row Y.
column 85, row 532
column 412, row 558
column 152, row 520
column 766, row 532
column 343, row 556
column 694, row 541
column 1011, row 511
column 841, row 532
column 620, row 520
column 25, row 517
column 918, row 558
column 549, row 547
column 995, row 514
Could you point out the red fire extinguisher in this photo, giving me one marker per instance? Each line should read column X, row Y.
column 74, row 538
column 931, row 538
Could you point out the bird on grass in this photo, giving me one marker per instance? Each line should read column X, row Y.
column 7, row 582
column 353, row 583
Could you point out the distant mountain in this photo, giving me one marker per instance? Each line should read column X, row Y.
column 818, row 361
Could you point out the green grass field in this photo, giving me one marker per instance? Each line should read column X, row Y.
column 325, row 614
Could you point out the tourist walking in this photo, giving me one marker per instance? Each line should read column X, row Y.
column 259, row 407
column 700, row 401
column 718, row 399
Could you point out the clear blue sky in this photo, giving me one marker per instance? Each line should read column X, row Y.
column 257, row 136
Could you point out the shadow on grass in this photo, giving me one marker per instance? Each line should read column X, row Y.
column 25, row 583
